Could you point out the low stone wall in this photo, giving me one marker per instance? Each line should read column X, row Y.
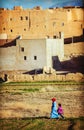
column 18, row 77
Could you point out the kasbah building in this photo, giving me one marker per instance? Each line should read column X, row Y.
column 38, row 24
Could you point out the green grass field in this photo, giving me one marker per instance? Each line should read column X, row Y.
column 42, row 124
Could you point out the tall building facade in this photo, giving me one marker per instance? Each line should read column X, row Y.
column 39, row 23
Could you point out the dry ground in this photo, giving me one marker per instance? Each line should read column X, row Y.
column 35, row 101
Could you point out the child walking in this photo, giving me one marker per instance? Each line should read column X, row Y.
column 60, row 111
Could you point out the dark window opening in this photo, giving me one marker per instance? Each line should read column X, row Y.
column 54, row 36
column 5, row 77
column 11, row 30
column 83, row 31
column 68, row 10
column 21, row 18
column 25, row 58
column 4, row 29
column 26, row 17
column 35, row 57
column 24, row 29
column 22, row 48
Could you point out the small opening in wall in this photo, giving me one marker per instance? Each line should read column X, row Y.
column 11, row 30
column 26, row 17
column 22, row 48
column 10, row 19
column 5, row 77
column 54, row 36
column 24, row 29
column 35, row 57
column 68, row 10
column 4, row 28
column 62, row 24
column 21, row 18
column 25, row 58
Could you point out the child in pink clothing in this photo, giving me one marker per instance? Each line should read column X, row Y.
column 60, row 110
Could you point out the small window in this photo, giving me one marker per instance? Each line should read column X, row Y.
column 10, row 19
column 24, row 29
column 4, row 29
column 25, row 58
column 22, row 48
column 35, row 57
column 54, row 36
column 68, row 10
column 11, row 30
column 21, row 18
column 26, row 17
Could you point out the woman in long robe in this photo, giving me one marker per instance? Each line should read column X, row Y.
column 54, row 113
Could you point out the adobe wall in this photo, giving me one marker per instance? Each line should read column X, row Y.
column 20, row 76
column 76, row 49
column 8, row 58
column 41, row 23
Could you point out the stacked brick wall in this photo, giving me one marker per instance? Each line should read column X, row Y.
column 15, row 77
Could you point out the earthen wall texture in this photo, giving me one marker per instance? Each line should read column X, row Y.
column 42, row 23
column 17, row 76
column 75, row 49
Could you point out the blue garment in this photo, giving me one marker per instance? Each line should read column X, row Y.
column 54, row 113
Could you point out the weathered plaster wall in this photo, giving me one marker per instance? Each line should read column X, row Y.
column 8, row 58
column 74, row 49
column 31, row 54
column 41, row 23
column 35, row 52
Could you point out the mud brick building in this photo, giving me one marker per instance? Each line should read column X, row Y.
column 39, row 23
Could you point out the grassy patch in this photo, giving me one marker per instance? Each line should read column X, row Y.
column 42, row 124
column 31, row 90
column 42, row 83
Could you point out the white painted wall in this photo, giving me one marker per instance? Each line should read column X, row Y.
column 31, row 48
column 54, row 47
column 3, row 36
